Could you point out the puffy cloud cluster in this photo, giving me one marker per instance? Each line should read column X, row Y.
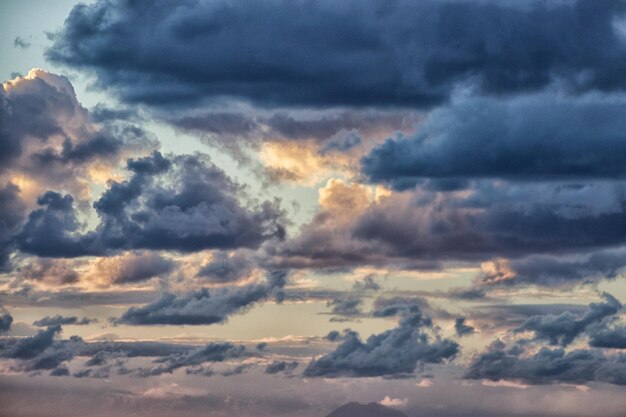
column 548, row 366
column 393, row 353
column 564, row 328
column 184, row 203
column 525, row 362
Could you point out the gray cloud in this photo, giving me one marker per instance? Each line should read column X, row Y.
column 213, row 352
column 137, row 268
column 184, row 203
column 557, row 270
column 203, row 306
column 536, row 138
column 461, row 328
column 564, row 328
column 5, row 322
column 280, row 366
column 548, row 366
column 226, row 268
column 394, row 353
column 356, row 53
column 59, row 320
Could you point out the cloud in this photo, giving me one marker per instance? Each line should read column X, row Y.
column 564, row 328
column 225, row 268
column 280, row 366
column 394, row 402
column 213, row 352
column 367, row 284
column 59, row 320
column 393, row 353
column 548, row 366
column 555, row 270
column 48, row 270
column 21, row 43
column 184, row 203
column 461, row 328
column 356, row 53
column 423, row 229
column 5, row 322
column 132, row 268
column 49, row 139
column 203, row 306
column 347, row 305
column 12, row 213
column 613, row 337
column 531, row 138
column 30, row 347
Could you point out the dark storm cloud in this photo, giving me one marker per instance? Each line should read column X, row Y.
column 548, row 366
column 564, row 328
column 557, row 271
column 184, row 203
column 59, row 320
column 280, row 366
column 226, row 268
column 532, row 138
column 461, row 328
column 394, row 353
column 203, row 306
column 350, row 53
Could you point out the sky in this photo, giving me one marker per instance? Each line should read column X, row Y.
column 274, row 208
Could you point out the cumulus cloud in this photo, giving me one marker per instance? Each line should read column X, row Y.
column 184, row 203
column 356, row 53
column 49, row 139
column 394, row 353
column 203, row 306
column 564, row 328
column 548, row 366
